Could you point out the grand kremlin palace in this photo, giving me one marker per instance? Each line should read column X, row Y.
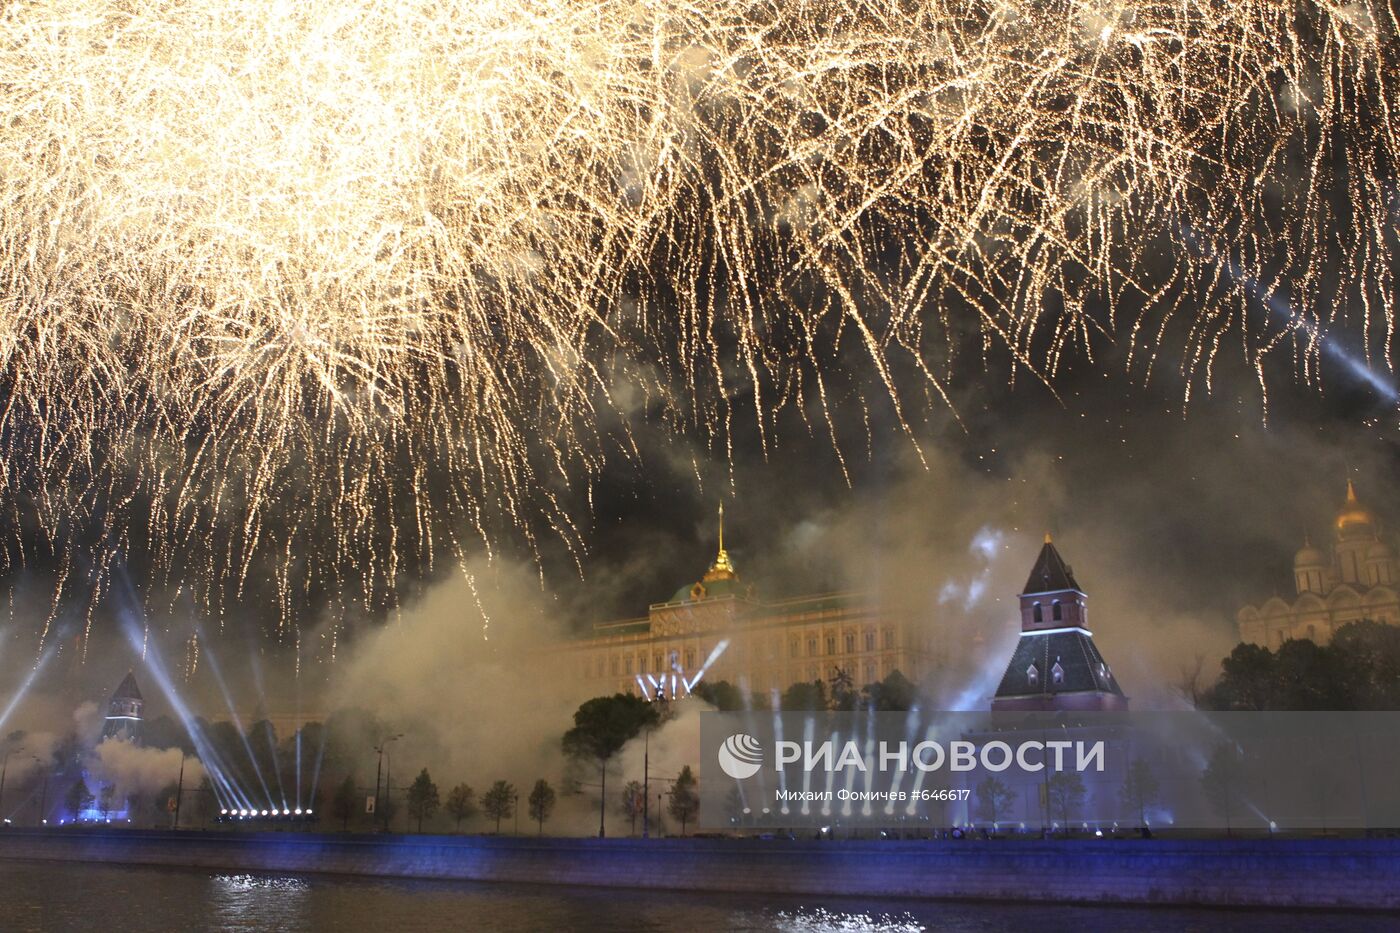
column 719, row 626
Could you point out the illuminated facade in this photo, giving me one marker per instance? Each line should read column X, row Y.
column 719, row 629
column 1356, row 580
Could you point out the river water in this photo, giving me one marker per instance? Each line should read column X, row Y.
column 63, row 896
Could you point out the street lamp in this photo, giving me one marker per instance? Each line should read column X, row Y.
column 646, row 768
column 378, row 769
column 4, row 767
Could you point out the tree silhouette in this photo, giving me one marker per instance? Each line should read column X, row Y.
column 685, row 802
column 343, row 803
column 633, row 803
column 461, row 803
column 1065, row 791
column 602, row 726
column 1140, row 788
column 78, row 798
column 541, row 802
column 499, row 802
column 993, row 799
column 422, row 798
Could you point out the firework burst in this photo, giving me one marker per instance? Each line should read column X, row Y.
column 318, row 286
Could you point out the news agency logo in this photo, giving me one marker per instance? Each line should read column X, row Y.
column 740, row 756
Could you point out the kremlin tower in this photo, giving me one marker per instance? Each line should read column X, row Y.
column 1056, row 665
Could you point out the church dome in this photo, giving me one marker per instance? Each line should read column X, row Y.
column 1309, row 557
column 1354, row 516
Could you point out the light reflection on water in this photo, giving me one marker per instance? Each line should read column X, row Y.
column 39, row 897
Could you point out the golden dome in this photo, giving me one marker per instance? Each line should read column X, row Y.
column 1353, row 513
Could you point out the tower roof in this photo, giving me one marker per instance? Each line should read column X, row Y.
column 1082, row 668
column 1050, row 572
column 127, row 689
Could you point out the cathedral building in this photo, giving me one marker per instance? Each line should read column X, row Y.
column 1353, row 579
column 1056, row 665
column 718, row 628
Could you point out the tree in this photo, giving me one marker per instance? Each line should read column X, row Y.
column 993, row 799
column 206, row 803
column 461, row 803
column 541, row 802
column 1140, row 788
column 721, row 694
column 842, row 690
column 106, row 799
column 78, row 798
column 343, row 803
column 809, row 697
column 422, row 798
column 1246, row 680
column 633, row 803
column 499, row 802
column 895, row 694
column 1065, row 793
column 1222, row 780
column 602, row 726
column 685, row 802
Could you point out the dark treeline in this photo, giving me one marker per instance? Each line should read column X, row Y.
column 1358, row 670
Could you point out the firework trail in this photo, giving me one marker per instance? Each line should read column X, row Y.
column 341, row 288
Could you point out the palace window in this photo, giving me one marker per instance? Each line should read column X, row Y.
column 628, row 665
column 641, row 664
column 1057, row 673
column 689, row 658
column 850, row 643
column 612, row 664
column 1033, row 675
column 831, row 644
column 1055, row 613
column 889, row 639
column 869, row 641
column 812, row 646
column 660, row 665
column 793, row 646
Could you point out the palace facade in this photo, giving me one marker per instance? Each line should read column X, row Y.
column 718, row 628
column 1353, row 579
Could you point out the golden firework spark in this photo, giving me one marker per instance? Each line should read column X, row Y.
column 276, row 265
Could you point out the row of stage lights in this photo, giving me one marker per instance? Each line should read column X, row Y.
column 274, row 813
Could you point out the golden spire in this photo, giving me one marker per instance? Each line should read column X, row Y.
column 722, row 568
column 1047, row 538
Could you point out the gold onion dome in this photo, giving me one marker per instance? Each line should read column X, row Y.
column 1353, row 513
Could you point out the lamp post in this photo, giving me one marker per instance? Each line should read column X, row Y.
column 379, row 768
column 5, row 767
column 646, row 769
